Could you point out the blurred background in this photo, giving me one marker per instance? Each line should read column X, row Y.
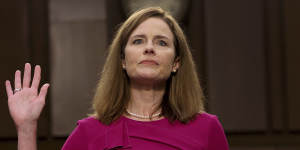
column 247, row 54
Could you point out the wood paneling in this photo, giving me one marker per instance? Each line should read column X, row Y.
column 23, row 39
column 78, row 50
column 274, row 43
column 115, row 16
column 292, row 55
column 195, row 32
column 236, row 64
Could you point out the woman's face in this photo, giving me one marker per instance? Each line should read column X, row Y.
column 150, row 52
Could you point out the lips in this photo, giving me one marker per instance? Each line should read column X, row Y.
column 150, row 62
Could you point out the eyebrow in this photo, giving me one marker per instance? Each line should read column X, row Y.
column 139, row 35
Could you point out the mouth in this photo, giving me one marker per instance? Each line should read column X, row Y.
column 149, row 62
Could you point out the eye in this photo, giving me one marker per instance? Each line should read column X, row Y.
column 162, row 43
column 137, row 41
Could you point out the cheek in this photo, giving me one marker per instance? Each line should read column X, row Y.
column 131, row 57
column 168, row 60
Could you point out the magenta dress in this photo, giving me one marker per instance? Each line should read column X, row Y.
column 203, row 133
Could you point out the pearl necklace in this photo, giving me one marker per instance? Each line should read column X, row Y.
column 141, row 116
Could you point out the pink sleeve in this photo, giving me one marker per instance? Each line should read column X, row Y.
column 77, row 139
column 216, row 138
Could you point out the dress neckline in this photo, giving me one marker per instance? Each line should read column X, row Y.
column 144, row 122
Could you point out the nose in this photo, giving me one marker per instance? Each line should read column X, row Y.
column 149, row 49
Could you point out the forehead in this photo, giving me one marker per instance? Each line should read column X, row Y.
column 153, row 27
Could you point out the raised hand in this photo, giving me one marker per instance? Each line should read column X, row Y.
column 24, row 102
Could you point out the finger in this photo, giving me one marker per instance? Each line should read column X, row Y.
column 9, row 91
column 44, row 90
column 18, row 79
column 36, row 77
column 27, row 75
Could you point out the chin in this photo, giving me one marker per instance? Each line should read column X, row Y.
column 148, row 77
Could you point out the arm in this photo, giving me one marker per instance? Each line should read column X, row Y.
column 25, row 105
column 27, row 137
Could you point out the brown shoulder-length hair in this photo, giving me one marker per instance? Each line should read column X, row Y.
column 183, row 98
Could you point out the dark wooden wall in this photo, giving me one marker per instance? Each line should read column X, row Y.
column 247, row 53
column 24, row 38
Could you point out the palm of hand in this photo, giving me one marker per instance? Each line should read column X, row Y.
column 25, row 106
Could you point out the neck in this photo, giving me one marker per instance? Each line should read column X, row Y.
column 146, row 99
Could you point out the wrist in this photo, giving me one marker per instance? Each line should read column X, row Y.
column 28, row 128
column 27, row 134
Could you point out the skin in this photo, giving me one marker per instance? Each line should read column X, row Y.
column 26, row 105
column 149, row 61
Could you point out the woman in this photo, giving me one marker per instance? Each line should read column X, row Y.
column 148, row 97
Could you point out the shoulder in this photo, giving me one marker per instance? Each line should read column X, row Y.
column 84, row 134
column 214, row 130
column 89, row 121
column 87, row 129
column 91, row 125
column 202, row 128
column 206, row 117
column 202, row 121
column 206, row 120
column 211, row 122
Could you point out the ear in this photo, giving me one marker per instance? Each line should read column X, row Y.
column 123, row 64
column 176, row 64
